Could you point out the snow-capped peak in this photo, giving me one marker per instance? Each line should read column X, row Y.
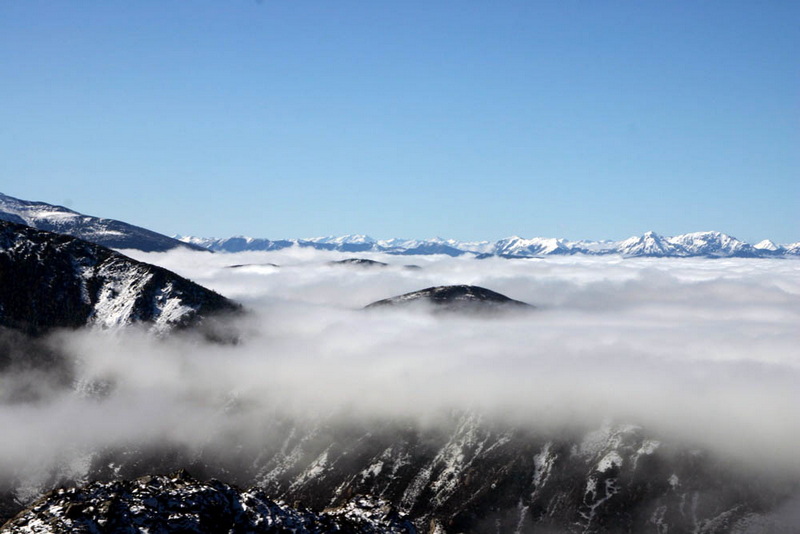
column 649, row 244
column 766, row 244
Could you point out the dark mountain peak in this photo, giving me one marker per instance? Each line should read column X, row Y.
column 243, row 265
column 106, row 232
column 360, row 262
column 460, row 298
column 181, row 503
column 50, row 280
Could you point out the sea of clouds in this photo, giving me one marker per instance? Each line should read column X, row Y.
column 699, row 351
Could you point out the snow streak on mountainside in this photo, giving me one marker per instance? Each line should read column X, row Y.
column 696, row 244
column 106, row 232
column 50, row 280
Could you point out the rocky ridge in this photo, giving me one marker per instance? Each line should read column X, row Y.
column 50, row 280
column 180, row 503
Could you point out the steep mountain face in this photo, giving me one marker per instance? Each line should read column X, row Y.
column 697, row 244
column 470, row 475
column 181, row 504
column 106, row 232
column 459, row 298
column 52, row 280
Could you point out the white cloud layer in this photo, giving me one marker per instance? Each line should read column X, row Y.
column 705, row 352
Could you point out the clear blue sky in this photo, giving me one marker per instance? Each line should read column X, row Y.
column 464, row 119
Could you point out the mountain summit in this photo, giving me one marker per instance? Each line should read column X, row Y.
column 458, row 298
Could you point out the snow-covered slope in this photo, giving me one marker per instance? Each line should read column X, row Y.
column 50, row 280
column 651, row 244
column 106, row 232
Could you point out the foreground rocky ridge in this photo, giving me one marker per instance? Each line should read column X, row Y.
column 181, row 503
column 50, row 280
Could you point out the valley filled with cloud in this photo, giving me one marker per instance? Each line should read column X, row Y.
column 702, row 353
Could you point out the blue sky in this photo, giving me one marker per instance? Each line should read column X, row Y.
column 463, row 119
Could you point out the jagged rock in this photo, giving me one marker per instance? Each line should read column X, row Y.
column 181, row 504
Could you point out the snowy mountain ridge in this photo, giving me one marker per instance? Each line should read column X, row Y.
column 696, row 244
column 107, row 232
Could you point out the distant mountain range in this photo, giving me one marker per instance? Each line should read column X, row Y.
column 697, row 244
column 107, row 232
column 120, row 235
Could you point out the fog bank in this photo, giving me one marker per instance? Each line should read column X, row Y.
column 702, row 352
